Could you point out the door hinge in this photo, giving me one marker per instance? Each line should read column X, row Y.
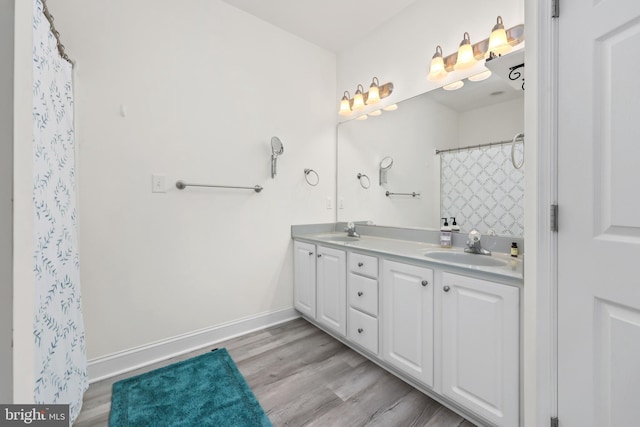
column 555, row 8
column 555, row 422
column 554, row 218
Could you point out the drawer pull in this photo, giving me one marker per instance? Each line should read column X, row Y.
column 319, row 255
column 425, row 283
column 360, row 264
column 446, row 289
column 360, row 330
column 360, row 293
column 310, row 253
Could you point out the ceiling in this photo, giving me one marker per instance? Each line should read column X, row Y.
column 331, row 24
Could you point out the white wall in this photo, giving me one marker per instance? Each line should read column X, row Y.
column 479, row 126
column 23, row 228
column 194, row 90
column 6, row 190
column 400, row 51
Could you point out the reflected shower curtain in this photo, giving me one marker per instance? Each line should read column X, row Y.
column 60, row 356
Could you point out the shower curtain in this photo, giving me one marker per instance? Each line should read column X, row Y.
column 60, row 356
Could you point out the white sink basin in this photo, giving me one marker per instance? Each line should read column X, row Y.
column 466, row 258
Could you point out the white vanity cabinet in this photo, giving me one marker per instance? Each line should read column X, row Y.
column 480, row 347
column 408, row 319
column 362, row 299
column 304, row 278
column 331, row 287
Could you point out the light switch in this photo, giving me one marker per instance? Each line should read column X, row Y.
column 329, row 203
column 158, row 183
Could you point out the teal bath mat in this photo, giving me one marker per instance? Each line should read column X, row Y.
column 207, row 390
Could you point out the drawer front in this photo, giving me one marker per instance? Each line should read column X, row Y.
column 363, row 293
column 363, row 330
column 363, row 264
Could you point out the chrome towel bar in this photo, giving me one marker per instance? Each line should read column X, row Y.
column 181, row 185
column 413, row 194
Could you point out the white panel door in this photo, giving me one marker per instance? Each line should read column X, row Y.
column 304, row 278
column 332, row 289
column 407, row 319
column 599, row 206
column 480, row 347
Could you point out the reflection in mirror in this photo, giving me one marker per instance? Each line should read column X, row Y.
column 478, row 113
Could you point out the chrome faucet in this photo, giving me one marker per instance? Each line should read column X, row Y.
column 351, row 230
column 473, row 244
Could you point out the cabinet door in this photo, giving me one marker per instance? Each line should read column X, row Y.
column 480, row 347
column 304, row 278
column 407, row 319
column 331, row 277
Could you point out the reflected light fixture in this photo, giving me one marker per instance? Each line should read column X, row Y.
column 498, row 41
column 436, row 69
column 465, row 58
column 374, row 92
column 392, row 107
column 362, row 117
column 345, row 105
column 480, row 76
column 375, row 113
column 453, row 86
column 358, row 99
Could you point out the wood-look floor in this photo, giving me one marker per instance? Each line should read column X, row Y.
column 304, row 377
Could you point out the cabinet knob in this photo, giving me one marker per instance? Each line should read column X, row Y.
column 319, row 255
column 360, row 293
column 360, row 264
column 310, row 253
column 360, row 330
column 425, row 283
column 446, row 289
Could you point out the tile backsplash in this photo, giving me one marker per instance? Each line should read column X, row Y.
column 482, row 189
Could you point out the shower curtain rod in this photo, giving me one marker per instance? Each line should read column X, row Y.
column 520, row 137
column 55, row 32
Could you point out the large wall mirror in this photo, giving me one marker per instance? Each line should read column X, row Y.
column 389, row 172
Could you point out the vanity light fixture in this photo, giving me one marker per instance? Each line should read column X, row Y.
column 465, row 59
column 468, row 54
column 436, row 69
column 498, row 42
column 374, row 95
column 453, row 86
column 480, row 76
column 345, row 105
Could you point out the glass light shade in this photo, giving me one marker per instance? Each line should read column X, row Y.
column 345, row 107
column 362, row 117
column 498, row 42
column 358, row 99
column 375, row 113
column 480, row 76
column 374, row 92
column 391, row 107
column 437, row 69
column 465, row 58
column 453, row 86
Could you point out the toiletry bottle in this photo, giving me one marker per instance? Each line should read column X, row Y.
column 445, row 234
column 514, row 249
column 454, row 224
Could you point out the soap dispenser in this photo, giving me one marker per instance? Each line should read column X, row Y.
column 454, row 224
column 445, row 234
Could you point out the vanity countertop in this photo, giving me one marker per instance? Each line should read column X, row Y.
column 505, row 265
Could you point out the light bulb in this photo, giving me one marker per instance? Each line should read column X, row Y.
column 498, row 42
column 374, row 92
column 437, row 69
column 345, row 107
column 465, row 58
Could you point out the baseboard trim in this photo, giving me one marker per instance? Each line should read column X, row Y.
column 128, row 360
